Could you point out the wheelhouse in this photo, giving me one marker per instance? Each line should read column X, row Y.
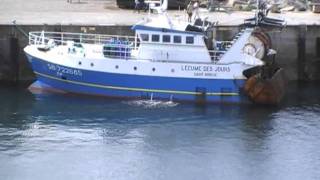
column 170, row 45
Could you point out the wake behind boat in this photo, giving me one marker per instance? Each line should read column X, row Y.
column 166, row 59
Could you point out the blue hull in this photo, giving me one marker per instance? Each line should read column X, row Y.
column 137, row 86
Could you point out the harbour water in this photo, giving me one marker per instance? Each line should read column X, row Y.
column 54, row 136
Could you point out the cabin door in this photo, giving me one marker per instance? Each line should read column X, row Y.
column 164, row 55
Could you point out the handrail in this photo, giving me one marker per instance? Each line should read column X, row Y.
column 70, row 33
column 110, row 50
column 113, row 46
column 62, row 37
column 216, row 55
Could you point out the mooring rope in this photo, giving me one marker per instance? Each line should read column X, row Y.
column 20, row 29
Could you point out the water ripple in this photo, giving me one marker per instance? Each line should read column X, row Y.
column 94, row 138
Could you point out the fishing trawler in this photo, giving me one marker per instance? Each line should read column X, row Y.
column 165, row 59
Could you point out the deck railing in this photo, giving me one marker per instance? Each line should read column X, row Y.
column 113, row 46
column 42, row 37
column 216, row 55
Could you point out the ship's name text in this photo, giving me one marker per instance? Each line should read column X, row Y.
column 205, row 68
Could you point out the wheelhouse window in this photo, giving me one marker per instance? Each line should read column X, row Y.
column 166, row 38
column 189, row 40
column 155, row 38
column 176, row 39
column 144, row 37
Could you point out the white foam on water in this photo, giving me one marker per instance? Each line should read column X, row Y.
column 151, row 103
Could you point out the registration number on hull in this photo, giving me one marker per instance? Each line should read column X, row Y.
column 64, row 70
